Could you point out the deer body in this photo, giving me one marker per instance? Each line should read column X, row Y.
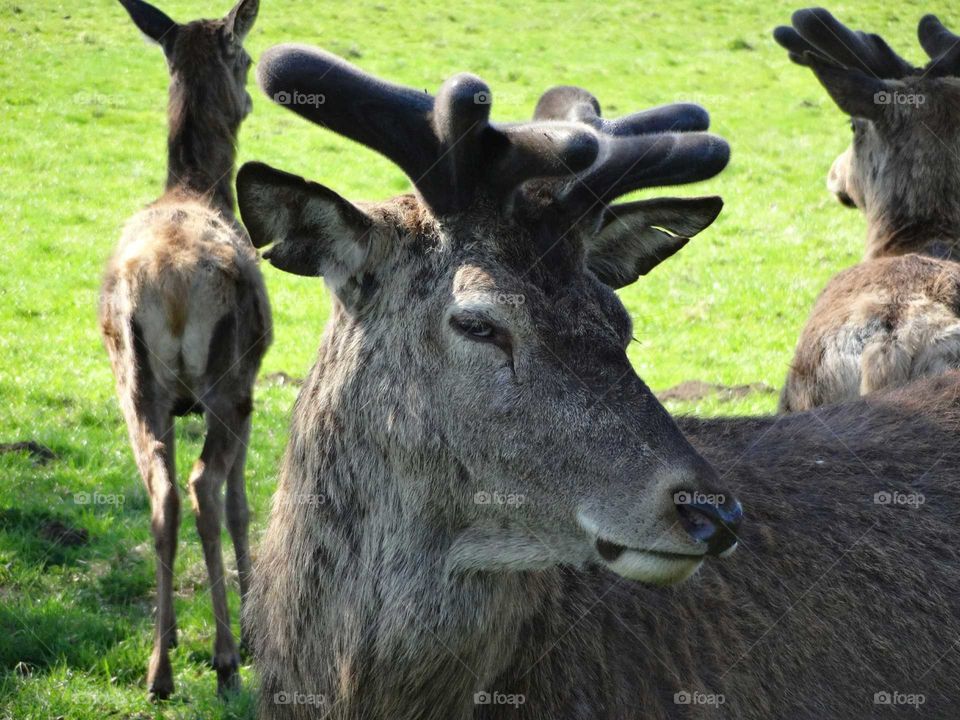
column 895, row 316
column 473, row 486
column 833, row 600
column 879, row 324
column 186, row 320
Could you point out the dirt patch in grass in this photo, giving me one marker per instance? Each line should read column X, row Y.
column 39, row 453
column 693, row 390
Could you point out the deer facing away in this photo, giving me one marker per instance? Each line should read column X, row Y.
column 471, row 485
column 896, row 315
column 185, row 317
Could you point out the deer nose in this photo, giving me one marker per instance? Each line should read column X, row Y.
column 711, row 519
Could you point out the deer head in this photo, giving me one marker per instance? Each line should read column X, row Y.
column 476, row 349
column 205, row 57
column 901, row 168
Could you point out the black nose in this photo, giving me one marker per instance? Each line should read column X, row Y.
column 711, row 519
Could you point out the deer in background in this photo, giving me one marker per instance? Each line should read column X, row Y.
column 896, row 315
column 186, row 320
column 471, row 484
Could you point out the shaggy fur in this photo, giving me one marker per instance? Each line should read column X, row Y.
column 185, row 317
column 893, row 317
column 386, row 590
column 475, row 471
column 363, row 608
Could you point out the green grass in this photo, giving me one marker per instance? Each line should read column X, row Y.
column 82, row 100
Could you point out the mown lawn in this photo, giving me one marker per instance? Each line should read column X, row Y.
column 82, row 146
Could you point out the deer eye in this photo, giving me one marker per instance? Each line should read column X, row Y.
column 474, row 327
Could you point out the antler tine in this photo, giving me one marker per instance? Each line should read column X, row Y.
column 632, row 163
column 446, row 145
column 459, row 121
column 940, row 44
column 934, row 38
column 393, row 120
column 568, row 102
column 833, row 40
column 652, row 147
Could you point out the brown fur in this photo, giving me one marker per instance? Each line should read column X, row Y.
column 476, row 347
column 185, row 319
column 878, row 324
column 894, row 317
column 383, row 592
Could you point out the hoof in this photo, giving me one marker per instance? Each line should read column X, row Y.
column 228, row 676
column 160, row 679
column 160, row 689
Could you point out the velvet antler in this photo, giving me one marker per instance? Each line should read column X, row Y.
column 454, row 154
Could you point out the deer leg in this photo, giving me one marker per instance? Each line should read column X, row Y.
column 150, row 428
column 206, row 479
column 238, row 520
column 171, row 511
column 153, row 447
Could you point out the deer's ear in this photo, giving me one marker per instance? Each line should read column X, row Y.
column 152, row 22
column 239, row 21
column 854, row 92
column 314, row 231
column 636, row 237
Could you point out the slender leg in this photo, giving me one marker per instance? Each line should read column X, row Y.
column 153, row 446
column 238, row 519
column 170, row 628
column 206, row 479
column 150, row 427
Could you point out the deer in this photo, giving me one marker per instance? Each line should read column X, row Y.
column 895, row 316
column 186, row 320
column 483, row 512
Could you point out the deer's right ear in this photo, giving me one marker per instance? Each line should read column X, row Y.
column 152, row 22
column 314, row 230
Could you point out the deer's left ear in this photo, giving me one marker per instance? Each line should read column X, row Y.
column 239, row 21
column 152, row 22
column 314, row 231
column 636, row 237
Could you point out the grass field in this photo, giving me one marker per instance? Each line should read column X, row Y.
column 83, row 146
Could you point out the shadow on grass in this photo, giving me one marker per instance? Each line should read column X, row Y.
column 42, row 634
column 26, row 534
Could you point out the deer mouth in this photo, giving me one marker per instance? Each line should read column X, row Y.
column 655, row 567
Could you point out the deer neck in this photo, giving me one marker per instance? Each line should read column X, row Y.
column 420, row 639
column 201, row 153
column 397, row 635
column 899, row 228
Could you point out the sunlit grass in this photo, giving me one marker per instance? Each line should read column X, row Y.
column 82, row 101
